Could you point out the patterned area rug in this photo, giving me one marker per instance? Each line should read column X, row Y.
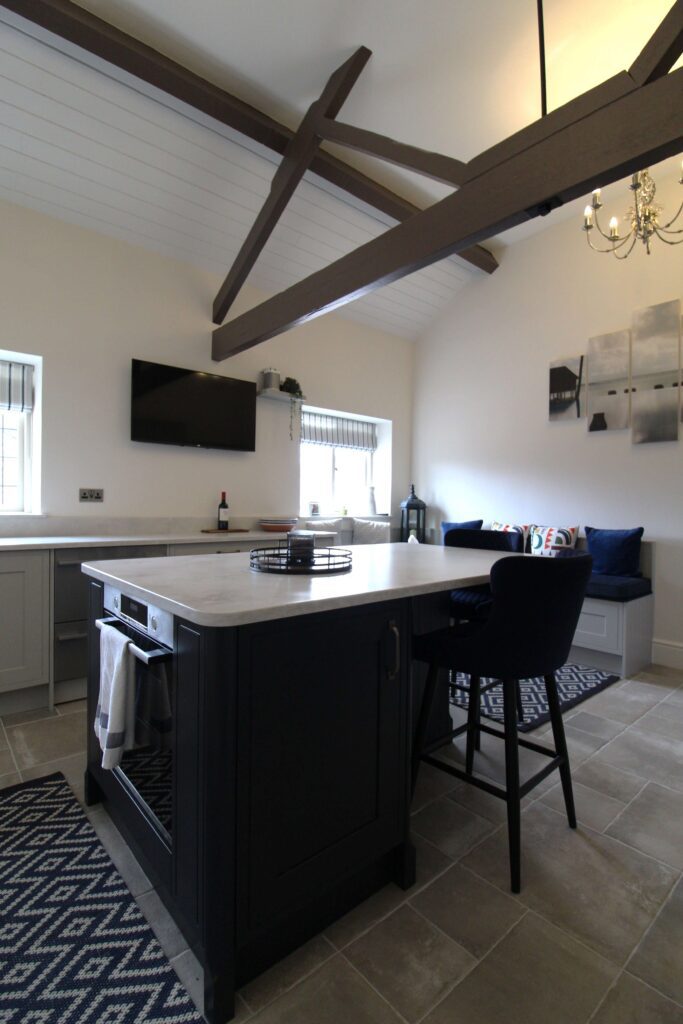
column 74, row 947
column 574, row 684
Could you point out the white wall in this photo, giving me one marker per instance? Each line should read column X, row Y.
column 87, row 304
column 483, row 446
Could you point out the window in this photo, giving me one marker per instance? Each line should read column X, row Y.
column 17, row 430
column 339, row 464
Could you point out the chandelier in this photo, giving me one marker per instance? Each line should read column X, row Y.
column 643, row 219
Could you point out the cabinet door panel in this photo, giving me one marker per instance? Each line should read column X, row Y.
column 323, row 719
column 24, row 618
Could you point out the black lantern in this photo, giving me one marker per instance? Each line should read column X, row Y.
column 413, row 512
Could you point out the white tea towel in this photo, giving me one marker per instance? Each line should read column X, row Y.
column 115, row 715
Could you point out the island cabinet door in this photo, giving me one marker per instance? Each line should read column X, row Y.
column 322, row 754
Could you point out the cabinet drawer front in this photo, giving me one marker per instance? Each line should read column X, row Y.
column 24, row 618
column 215, row 548
column 70, row 650
column 600, row 626
column 71, row 586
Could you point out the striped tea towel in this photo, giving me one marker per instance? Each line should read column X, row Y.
column 115, row 715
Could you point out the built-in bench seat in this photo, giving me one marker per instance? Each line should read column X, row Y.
column 618, row 588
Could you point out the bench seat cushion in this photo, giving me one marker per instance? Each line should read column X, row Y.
column 617, row 588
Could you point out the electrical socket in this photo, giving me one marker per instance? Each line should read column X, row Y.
column 91, row 494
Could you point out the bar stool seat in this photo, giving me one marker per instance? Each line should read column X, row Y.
column 536, row 603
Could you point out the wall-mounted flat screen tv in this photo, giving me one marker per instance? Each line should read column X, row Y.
column 202, row 410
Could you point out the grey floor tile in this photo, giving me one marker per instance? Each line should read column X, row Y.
column 430, row 862
column 450, row 827
column 47, row 740
column 623, row 705
column 614, row 782
column 72, row 768
column 124, row 861
column 659, row 957
column 667, row 711
column 648, row 753
column 536, row 974
column 468, row 909
column 286, row 973
column 22, row 717
column 11, row 779
column 676, row 697
column 631, row 1002
column 589, row 884
column 656, row 685
column 581, row 745
column 7, row 764
column 653, row 823
column 190, row 973
column 365, row 915
column 334, row 994
column 431, row 783
column 479, row 802
column 162, row 924
column 4, row 745
column 409, row 961
column 606, row 728
column 592, row 808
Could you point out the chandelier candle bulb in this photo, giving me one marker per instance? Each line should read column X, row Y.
column 588, row 217
column 596, row 199
column 613, row 227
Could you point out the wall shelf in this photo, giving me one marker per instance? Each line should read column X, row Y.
column 279, row 396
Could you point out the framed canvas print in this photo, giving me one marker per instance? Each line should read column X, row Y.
column 565, row 389
column 655, row 372
column 608, row 372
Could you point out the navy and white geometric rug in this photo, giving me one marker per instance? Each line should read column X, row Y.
column 574, row 684
column 74, row 947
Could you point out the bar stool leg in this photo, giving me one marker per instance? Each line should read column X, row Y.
column 423, row 718
column 512, row 781
column 561, row 747
column 472, row 723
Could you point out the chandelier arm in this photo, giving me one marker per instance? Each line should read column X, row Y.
column 675, row 217
column 668, row 240
column 608, row 238
column 628, row 251
column 613, row 248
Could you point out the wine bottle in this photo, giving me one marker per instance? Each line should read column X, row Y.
column 223, row 513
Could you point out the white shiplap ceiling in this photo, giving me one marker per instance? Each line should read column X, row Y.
column 83, row 141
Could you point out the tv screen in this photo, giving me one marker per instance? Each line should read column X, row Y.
column 202, row 410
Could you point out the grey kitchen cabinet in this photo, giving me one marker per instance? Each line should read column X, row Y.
column 24, row 619
column 211, row 548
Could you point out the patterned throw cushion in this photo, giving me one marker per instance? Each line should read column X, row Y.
column 549, row 540
column 511, row 528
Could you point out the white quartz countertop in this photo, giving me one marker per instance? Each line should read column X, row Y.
column 211, row 590
column 36, row 543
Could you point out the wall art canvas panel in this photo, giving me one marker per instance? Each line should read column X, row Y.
column 608, row 372
column 655, row 372
column 566, row 387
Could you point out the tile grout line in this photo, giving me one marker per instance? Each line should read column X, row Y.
column 333, row 951
column 625, row 808
column 652, row 988
column 375, row 990
column 12, row 754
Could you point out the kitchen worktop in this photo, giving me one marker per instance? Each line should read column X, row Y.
column 211, row 590
column 38, row 543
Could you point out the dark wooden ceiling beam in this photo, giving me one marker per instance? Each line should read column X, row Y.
column 641, row 127
column 295, row 163
column 432, row 165
column 69, row 21
column 662, row 50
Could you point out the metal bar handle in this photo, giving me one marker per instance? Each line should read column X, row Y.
column 392, row 673
column 147, row 657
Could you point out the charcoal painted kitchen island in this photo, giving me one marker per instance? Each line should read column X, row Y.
column 280, row 796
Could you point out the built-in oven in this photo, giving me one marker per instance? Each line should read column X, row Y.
column 147, row 763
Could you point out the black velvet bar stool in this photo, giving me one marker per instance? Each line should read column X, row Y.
column 536, row 603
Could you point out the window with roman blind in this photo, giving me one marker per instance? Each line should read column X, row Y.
column 17, row 403
column 338, row 455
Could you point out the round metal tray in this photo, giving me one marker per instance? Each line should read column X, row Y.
column 323, row 561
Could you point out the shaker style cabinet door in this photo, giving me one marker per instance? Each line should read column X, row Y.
column 322, row 759
column 24, row 577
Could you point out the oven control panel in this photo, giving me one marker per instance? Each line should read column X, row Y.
column 154, row 622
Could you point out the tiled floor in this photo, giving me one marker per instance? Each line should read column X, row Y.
column 596, row 934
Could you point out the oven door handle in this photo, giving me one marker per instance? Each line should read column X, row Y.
column 147, row 657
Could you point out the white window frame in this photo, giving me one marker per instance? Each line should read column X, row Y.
column 31, row 435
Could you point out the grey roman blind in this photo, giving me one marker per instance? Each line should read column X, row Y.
column 16, row 387
column 338, row 431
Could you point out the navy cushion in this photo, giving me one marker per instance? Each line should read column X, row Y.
column 471, row 602
column 617, row 588
column 615, row 552
column 469, row 524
